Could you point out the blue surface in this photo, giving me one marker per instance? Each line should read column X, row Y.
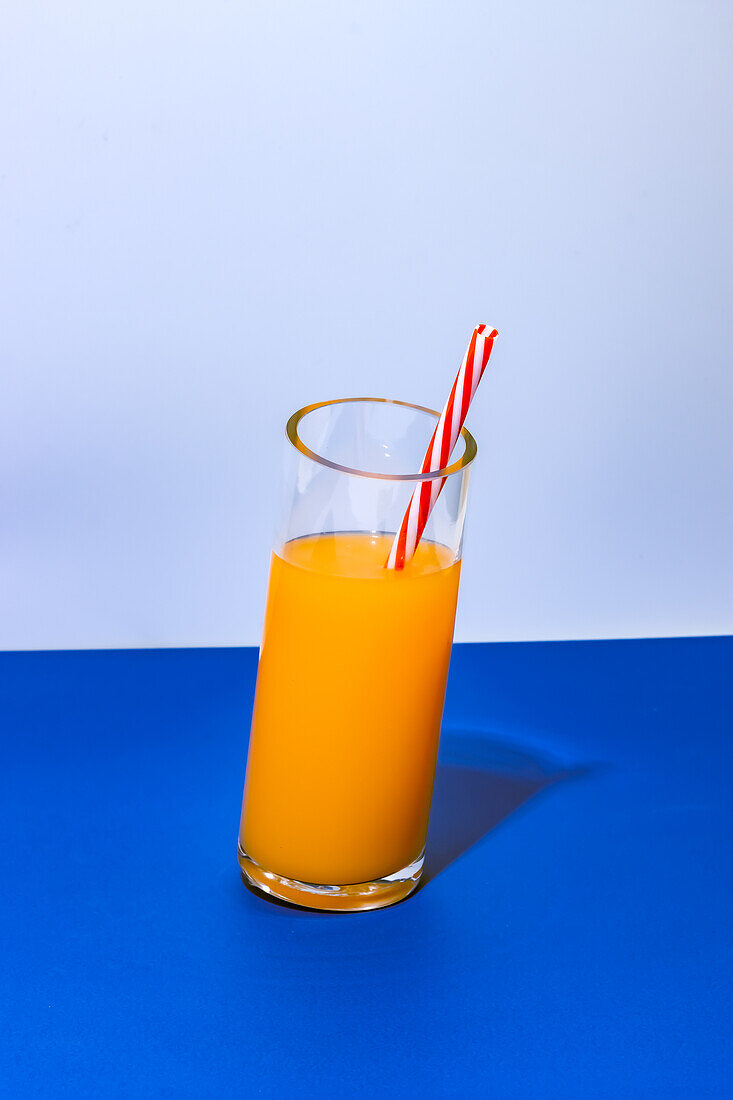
column 573, row 938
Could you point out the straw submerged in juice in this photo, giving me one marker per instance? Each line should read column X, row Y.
column 347, row 714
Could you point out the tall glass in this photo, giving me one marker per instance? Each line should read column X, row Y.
column 353, row 662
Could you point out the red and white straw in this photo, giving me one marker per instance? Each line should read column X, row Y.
column 441, row 446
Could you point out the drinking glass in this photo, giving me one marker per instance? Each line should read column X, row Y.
column 353, row 662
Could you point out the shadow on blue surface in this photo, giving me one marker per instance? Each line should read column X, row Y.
column 479, row 782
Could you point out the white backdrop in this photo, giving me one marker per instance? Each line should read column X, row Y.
column 213, row 213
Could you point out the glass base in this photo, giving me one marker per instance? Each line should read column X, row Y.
column 342, row 899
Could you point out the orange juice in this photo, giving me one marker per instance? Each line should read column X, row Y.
column 348, row 706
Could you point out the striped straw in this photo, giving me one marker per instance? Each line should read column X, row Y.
column 441, row 446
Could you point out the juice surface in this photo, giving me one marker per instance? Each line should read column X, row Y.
column 348, row 705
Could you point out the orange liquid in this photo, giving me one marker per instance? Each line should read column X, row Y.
column 348, row 706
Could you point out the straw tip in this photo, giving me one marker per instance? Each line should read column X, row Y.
column 481, row 330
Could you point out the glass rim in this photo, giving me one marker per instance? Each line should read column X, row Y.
column 291, row 430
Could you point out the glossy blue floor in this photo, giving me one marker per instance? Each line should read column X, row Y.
column 572, row 936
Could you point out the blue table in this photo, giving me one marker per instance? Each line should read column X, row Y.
column 572, row 939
